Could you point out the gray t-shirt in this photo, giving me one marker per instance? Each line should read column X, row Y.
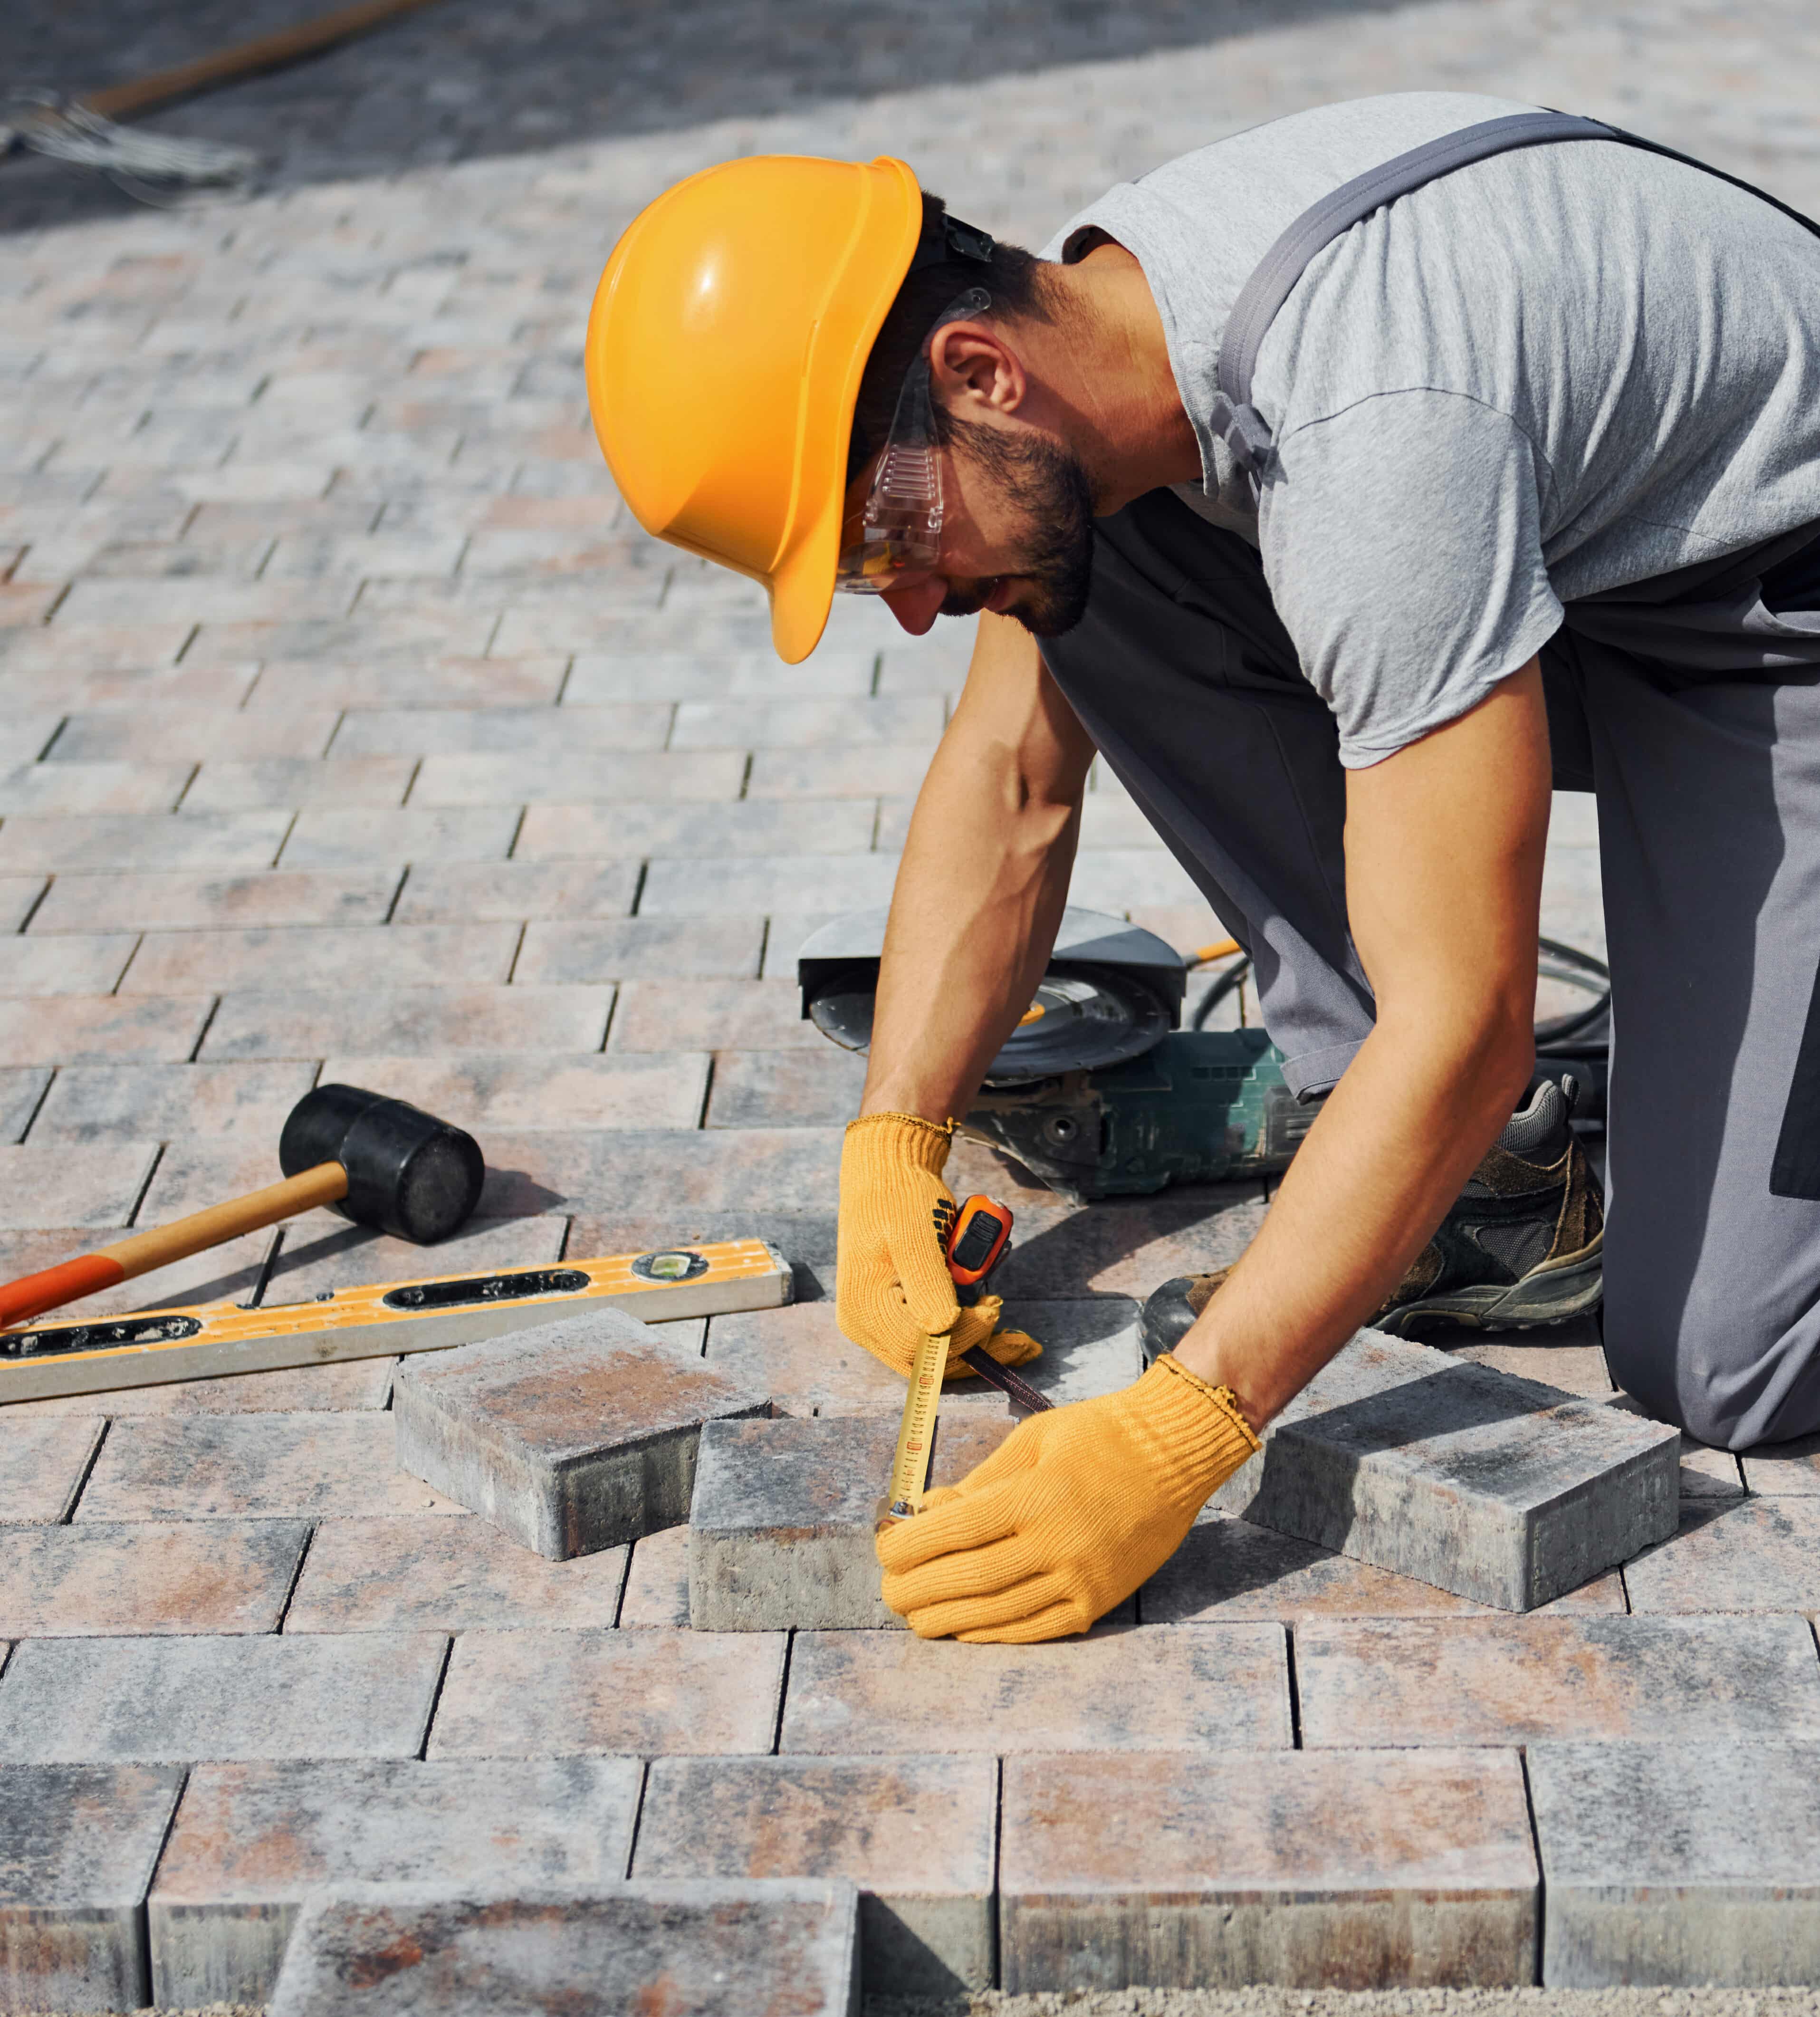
column 1537, row 379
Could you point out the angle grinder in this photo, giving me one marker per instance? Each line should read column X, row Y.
column 1100, row 1093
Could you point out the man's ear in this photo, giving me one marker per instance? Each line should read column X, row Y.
column 971, row 364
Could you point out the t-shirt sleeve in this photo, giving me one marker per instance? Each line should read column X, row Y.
column 1402, row 538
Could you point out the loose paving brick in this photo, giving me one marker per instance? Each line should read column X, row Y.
column 407, row 1021
column 916, row 1835
column 571, row 1436
column 1498, row 1489
column 77, row 1844
column 769, row 1948
column 258, row 1467
column 481, row 1090
column 1122, row 1688
column 449, row 892
column 72, row 1183
column 657, row 1584
column 1356, row 1869
column 419, row 1575
column 1755, row 1554
column 96, row 1028
column 1518, row 1680
column 93, row 1580
column 154, row 1701
column 1228, row 1569
column 252, row 1841
column 43, row 1462
column 409, row 955
column 639, row 948
column 650, row 1693
column 781, row 1525
column 1678, row 1863
column 198, row 901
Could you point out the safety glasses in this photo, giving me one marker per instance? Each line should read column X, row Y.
column 897, row 530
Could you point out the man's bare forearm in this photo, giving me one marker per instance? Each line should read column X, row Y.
column 984, row 880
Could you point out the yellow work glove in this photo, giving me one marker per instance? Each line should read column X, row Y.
column 893, row 1287
column 1071, row 1513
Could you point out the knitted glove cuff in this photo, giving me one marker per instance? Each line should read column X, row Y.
column 923, row 1143
column 1219, row 1436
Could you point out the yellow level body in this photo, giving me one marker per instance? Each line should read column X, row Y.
column 206, row 1340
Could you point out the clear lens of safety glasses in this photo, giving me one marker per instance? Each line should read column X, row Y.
column 898, row 531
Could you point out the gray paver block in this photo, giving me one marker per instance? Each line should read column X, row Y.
column 571, row 1436
column 78, row 1844
column 781, row 1525
column 1519, row 1680
column 916, row 1835
column 1356, row 1869
column 1089, row 1347
column 1752, row 1554
column 250, row 1841
column 1678, row 1863
column 780, row 1949
column 175, row 1576
column 1497, row 1489
column 152, row 1700
column 43, row 1461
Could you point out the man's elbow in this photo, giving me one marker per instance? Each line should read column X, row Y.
column 1484, row 1046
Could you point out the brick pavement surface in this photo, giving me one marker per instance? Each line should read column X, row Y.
column 348, row 724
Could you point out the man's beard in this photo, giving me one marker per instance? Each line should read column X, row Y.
column 1047, row 486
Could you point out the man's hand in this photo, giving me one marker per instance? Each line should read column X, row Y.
column 892, row 1285
column 1071, row 1512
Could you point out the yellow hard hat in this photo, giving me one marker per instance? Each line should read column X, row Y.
column 725, row 350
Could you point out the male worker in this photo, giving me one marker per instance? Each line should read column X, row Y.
column 1524, row 489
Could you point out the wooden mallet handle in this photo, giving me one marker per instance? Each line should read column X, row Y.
column 141, row 1252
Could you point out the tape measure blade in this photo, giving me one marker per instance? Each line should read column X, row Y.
column 916, row 1435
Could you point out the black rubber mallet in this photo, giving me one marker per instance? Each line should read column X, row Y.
column 379, row 1162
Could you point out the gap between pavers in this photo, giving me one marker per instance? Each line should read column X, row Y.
column 419, row 1951
column 251, row 1841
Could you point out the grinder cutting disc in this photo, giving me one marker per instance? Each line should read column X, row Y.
column 1083, row 1019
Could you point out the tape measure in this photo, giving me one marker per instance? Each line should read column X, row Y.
column 205, row 1340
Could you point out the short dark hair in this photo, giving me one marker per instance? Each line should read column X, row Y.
column 1012, row 276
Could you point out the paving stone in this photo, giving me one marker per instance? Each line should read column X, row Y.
column 160, row 731
column 781, row 1524
column 1789, row 1469
column 221, row 786
column 1517, row 1680
column 731, row 884
column 42, row 1464
column 350, row 1383
column 72, row 1183
column 482, row 1091
column 650, row 774
column 430, row 680
column 657, row 1584
column 194, row 901
column 252, row 1841
column 1088, row 1348
column 89, row 963
column 799, row 1357
column 92, row 1028
column 187, row 1576
column 1228, row 1569
column 112, row 1102
column 257, row 1466
column 22, row 1090
column 1338, row 1870
column 1677, row 1864
column 918, row 1835
column 570, row 1436
column 639, row 948
column 1121, row 1688
column 452, row 892
column 20, row 899
column 597, row 676
column 703, row 1014
column 409, row 955
column 360, row 837
column 785, row 1088
column 649, row 1693
column 737, row 827
column 93, row 842
column 1754, row 1554
column 142, row 787
column 769, row 1947
column 794, row 1172
column 788, row 724
column 849, row 770
column 407, row 1021
column 77, row 1844
column 419, row 1575
column 1575, row 1368
column 1497, row 1489
column 1115, row 1246
column 151, row 1700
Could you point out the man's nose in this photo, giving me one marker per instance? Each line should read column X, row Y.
column 917, row 608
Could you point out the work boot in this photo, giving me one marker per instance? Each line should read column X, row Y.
column 1522, row 1246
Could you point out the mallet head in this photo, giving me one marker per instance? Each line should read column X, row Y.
column 409, row 1173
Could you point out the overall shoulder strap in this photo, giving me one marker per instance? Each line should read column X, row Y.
column 1234, row 419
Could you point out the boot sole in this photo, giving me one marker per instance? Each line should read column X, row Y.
column 1570, row 1288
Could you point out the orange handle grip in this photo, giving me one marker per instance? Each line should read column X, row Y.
column 982, row 1227
column 141, row 1252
